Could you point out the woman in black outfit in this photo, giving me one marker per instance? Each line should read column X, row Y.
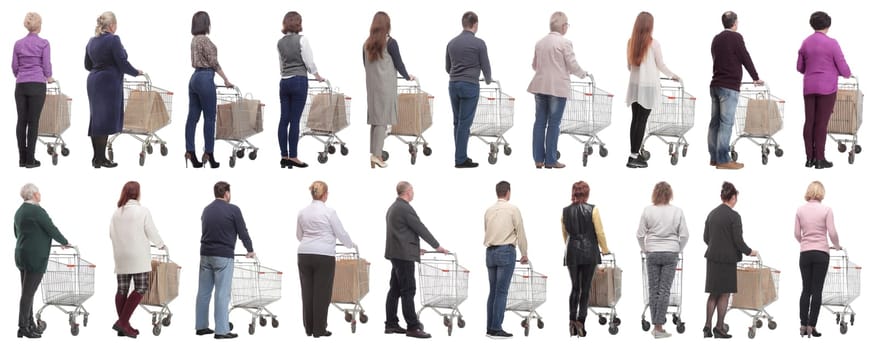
column 583, row 234
column 725, row 246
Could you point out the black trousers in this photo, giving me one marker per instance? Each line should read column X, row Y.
column 813, row 264
column 402, row 286
column 581, row 281
column 29, row 100
column 638, row 126
column 29, row 283
column 317, row 282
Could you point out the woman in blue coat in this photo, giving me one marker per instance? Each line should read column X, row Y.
column 107, row 62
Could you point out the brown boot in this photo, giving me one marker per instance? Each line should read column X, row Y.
column 131, row 304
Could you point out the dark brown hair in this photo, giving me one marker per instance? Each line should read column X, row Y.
column 130, row 190
column 728, row 191
column 380, row 27
column 662, row 193
column 221, row 188
column 502, row 188
column 292, row 23
column 579, row 192
column 640, row 40
column 200, row 23
column 469, row 19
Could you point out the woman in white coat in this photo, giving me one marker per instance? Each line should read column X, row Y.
column 131, row 231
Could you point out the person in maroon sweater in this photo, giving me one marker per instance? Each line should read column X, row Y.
column 729, row 54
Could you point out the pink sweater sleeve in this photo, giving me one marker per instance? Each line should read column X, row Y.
column 798, row 229
column 831, row 229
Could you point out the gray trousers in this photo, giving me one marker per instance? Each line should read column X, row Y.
column 378, row 135
column 660, row 275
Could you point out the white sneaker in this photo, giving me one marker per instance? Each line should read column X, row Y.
column 660, row 335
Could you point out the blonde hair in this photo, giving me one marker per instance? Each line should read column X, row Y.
column 105, row 20
column 557, row 20
column 33, row 21
column 662, row 193
column 318, row 189
column 815, row 191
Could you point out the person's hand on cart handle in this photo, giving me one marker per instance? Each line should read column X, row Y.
column 524, row 260
column 318, row 77
column 67, row 246
column 759, row 82
column 677, row 79
column 410, row 77
column 442, row 250
column 836, row 247
column 50, row 80
column 228, row 84
column 753, row 252
column 163, row 247
column 250, row 255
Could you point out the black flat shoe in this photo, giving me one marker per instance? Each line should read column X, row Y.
column 293, row 163
column 204, row 331
column 324, row 334
column 809, row 163
column 707, row 331
column 721, row 334
column 468, row 163
column 106, row 163
column 28, row 333
column 394, row 330
column 35, row 164
column 285, row 163
column 822, row 163
column 228, row 335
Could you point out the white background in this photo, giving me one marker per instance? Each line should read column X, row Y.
column 450, row 202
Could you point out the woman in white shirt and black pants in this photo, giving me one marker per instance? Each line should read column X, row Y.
column 131, row 231
column 319, row 229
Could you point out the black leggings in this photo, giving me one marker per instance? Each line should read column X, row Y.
column 29, row 100
column 581, row 281
column 813, row 264
column 638, row 126
column 30, row 282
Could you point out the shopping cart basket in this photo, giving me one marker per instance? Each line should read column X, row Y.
column 66, row 285
column 671, row 119
column 758, row 117
column 414, row 118
column 238, row 118
column 54, row 120
column 147, row 110
column 847, row 116
column 444, row 286
column 757, row 289
column 841, row 288
column 253, row 288
column 528, row 291
column 587, row 112
column 674, row 299
column 330, row 116
column 163, row 289
column 493, row 118
column 351, row 284
column 605, row 293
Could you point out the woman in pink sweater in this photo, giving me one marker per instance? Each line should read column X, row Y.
column 814, row 221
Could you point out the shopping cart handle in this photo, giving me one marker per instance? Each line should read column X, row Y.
column 75, row 248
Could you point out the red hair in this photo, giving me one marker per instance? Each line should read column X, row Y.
column 131, row 190
column 640, row 40
column 579, row 192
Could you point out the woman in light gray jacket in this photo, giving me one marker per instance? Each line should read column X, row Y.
column 662, row 235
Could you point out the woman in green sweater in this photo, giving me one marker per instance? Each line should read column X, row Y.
column 34, row 232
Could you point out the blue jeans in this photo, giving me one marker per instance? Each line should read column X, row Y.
column 201, row 98
column 463, row 98
column 723, row 103
column 293, row 97
column 500, row 261
column 548, row 116
column 215, row 271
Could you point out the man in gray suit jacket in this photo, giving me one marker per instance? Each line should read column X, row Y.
column 403, row 232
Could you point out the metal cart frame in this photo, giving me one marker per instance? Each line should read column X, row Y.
column 757, row 315
column 608, row 314
column 417, row 138
column 328, row 138
column 527, row 292
column 671, row 119
column 66, row 285
column 587, row 112
column 493, row 118
column 239, row 146
column 443, row 286
column 765, row 141
column 675, row 297
column 841, row 288
column 261, row 287
column 161, row 314
column 842, row 139
column 146, row 139
column 354, row 309
column 54, row 141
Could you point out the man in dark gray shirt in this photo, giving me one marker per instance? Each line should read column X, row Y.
column 466, row 57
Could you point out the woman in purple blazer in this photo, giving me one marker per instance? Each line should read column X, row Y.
column 821, row 61
column 32, row 66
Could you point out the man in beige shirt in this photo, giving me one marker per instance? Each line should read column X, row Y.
column 504, row 233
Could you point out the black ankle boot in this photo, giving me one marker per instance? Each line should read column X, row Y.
column 28, row 333
column 208, row 157
column 191, row 157
column 822, row 164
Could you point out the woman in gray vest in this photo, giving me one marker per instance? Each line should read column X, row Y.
column 383, row 63
column 296, row 60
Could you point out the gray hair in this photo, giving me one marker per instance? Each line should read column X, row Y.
column 402, row 187
column 557, row 20
column 29, row 191
column 105, row 20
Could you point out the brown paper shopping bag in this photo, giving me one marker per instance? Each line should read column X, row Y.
column 350, row 280
column 163, row 284
column 145, row 112
column 606, row 287
column 756, row 288
column 55, row 116
column 845, row 117
column 414, row 114
column 763, row 118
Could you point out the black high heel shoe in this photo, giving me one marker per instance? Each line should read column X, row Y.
column 208, row 157
column 803, row 331
column 285, row 163
column 28, row 333
column 191, row 157
column 721, row 333
column 707, row 331
column 812, row 332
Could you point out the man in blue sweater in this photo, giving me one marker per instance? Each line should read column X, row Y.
column 222, row 223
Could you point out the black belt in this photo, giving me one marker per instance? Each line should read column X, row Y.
column 498, row 246
column 204, row 69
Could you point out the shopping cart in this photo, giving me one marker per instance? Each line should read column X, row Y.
column 587, row 112
column 253, row 288
column 674, row 299
column 163, row 289
column 238, row 118
column 494, row 117
column 528, row 291
column 415, row 109
column 757, row 289
column 66, row 285
column 147, row 110
column 351, row 284
column 54, row 120
column 605, row 293
column 841, row 288
column 847, row 116
column 329, row 122
column 758, row 117
column 444, row 286
column 671, row 119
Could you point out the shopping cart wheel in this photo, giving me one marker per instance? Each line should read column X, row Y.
column 142, row 158
column 343, row 150
column 110, row 155
column 426, row 150
column 779, row 152
column 540, row 324
column 773, row 325
column 385, row 156
column 681, row 328
column 734, row 155
column 230, row 326
column 352, row 326
column 765, row 159
column 589, row 150
column 507, row 150
column 262, row 321
column 585, row 158
column 857, row 149
column 50, row 150
column 493, row 158
column 41, row 325
column 460, row 322
column 253, row 155
column 674, row 158
column 274, row 322
column 602, row 320
column 163, row 150
column 154, row 319
column 166, row 321
column 232, row 161
column 645, row 155
column 759, row 324
column 66, row 151
column 851, row 156
column 332, row 149
column 684, row 151
column 240, row 153
column 645, row 326
column 675, row 319
column 843, row 328
column 603, row 151
column 524, row 323
column 149, row 148
column 558, row 154
column 74, row 330
column 447, row 322
column 613, row 330
column 363, row 318
column 616, row 321
column 842, row 147
column 54, row 159
column 251, row 328
column 156, row 330
column 347, row 316
column 322, row 158
column 751, row 332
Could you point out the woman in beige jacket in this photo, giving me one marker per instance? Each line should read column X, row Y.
column 131, row 231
